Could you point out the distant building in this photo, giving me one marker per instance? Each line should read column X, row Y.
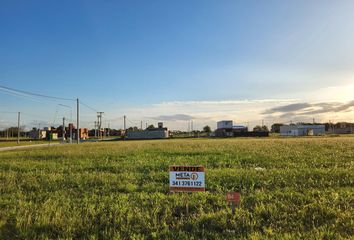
column 239, row 128
column 224, row 124
column 150, row 133
column 342, row 128
column 302, row 130
column 38, row 134
column 226, row 128
column 52, row 136
column 84, row 133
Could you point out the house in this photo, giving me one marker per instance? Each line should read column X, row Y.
column 84, row 133
column 302, row 130
column 150, row 133
column 52, row 136
column 38, row 134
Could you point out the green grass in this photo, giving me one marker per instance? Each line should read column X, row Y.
column 22, row 143
column 119, row 190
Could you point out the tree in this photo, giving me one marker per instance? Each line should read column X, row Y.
column 260, row 128
column 12, row 131
column 150, row 127
column 207, row 129
column 276, row 127
column 133, row 128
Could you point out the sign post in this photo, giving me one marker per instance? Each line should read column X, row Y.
column 233, row 198
column 187, row 179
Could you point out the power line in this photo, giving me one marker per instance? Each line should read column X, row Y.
column 63, row 105
column 32, row 98
column 91, row 108
column 9, row 112
column 7, row 89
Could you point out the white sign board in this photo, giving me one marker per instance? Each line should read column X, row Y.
column 187, row 179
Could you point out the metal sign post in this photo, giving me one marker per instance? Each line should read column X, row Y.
column 187, row 179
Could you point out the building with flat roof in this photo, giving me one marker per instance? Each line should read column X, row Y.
column 150, row 133
column 226, row 128
column 302, row 130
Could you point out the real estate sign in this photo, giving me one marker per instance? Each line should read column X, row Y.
column 187, row 179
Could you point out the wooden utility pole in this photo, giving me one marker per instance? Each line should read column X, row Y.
column 18, row 127
column 99, row 116
column 63, row 129
column 78, row 121
column 95, row 129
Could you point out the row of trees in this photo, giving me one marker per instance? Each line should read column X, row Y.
column 11, row 132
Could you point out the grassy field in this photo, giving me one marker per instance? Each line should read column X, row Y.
column 119, row 190
column 22, row 143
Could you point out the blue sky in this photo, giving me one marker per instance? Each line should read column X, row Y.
column 136, row 57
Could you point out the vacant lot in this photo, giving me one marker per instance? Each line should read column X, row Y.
column 291, row 188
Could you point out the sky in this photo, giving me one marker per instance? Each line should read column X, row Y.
column 177, row 61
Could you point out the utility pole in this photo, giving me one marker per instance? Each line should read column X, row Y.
column 98, row 124
column 125, row 126
column 71, row 132
column 95, row 129
column 18, row 127
column 109, row 129
column 78, row 120
column 99, row 116
column 141, row 125
column 39, row 131
column 63, row 129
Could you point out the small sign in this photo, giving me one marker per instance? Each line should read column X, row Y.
column 187, row 179
column 233, row 197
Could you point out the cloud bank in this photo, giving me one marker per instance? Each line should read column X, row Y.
column 303, row 109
